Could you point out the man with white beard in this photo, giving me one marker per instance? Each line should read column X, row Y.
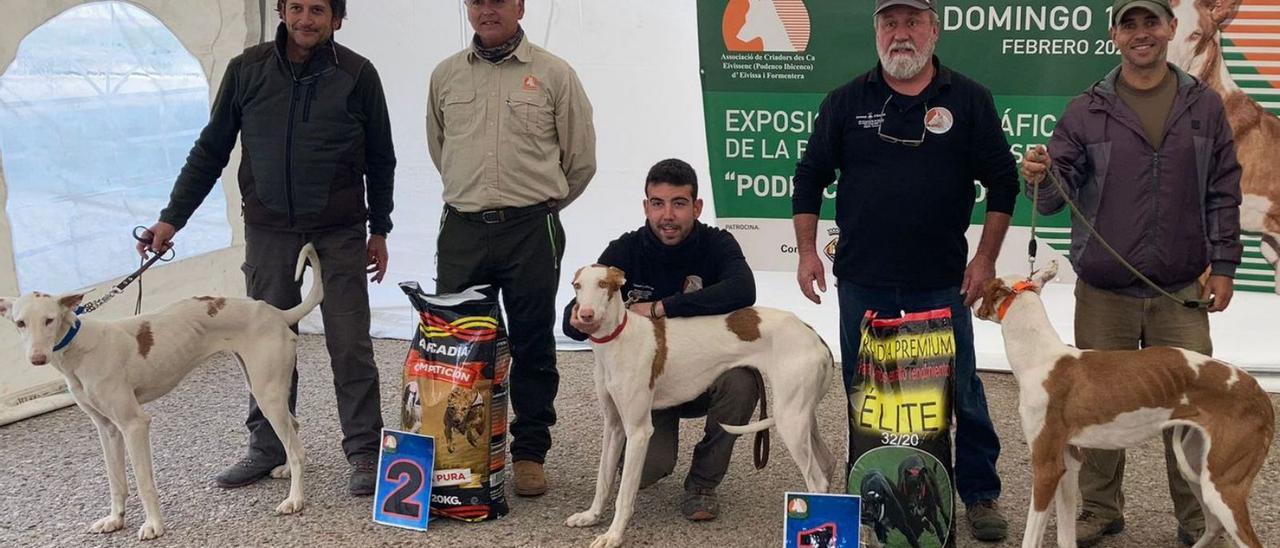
column 909, row 139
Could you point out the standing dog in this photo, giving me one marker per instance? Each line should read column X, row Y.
column 1197, row 48
column 1222, row 420
column 882, row 510
column 113, row 367
column 921, row 497
column 643, row 364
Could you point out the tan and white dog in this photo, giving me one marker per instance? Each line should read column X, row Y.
column 643, row 364
column 1197, row 48
column 1069, row 398
column 113, row 367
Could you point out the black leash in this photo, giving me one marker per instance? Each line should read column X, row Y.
column 1062, row 189
column 141, row 234
column 760, row 447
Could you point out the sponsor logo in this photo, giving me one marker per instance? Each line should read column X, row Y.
column 466, row 328
column 463, row 375
column 939, row 120
column 530, row 83
column 447, row 350
column 766, row 25
column 830, row 249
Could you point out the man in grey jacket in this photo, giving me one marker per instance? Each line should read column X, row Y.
column 316, row 142
column 1148, row 156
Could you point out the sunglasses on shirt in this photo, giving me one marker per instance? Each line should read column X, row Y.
column 897, row 140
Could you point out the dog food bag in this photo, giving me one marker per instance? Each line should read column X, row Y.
column 900, row 429
column 455, row 390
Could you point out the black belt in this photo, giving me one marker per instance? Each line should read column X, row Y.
column 494, row 216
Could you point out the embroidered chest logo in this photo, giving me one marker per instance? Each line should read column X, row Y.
column 939, row 120
column 691, row 284
column 639, row 293
column 531, row 83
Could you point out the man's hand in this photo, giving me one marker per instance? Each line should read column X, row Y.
column 1035, row 163
column 161, row 239
column 980, row 271
column 646, row 309
column 809, row 271
column 377, row 256
column 1219, row 288
column 584, row 327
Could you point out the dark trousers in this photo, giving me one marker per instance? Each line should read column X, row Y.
column 1106, row 320
column 269, row 261
column 519, row 256
column 977, row 446
column 730, row 400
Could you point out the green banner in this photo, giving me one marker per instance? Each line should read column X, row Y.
column 767, row 65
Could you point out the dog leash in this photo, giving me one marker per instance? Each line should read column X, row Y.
column 1062, row 189
column 760, row 446
column 138, row 234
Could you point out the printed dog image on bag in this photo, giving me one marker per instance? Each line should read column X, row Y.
column 910, row 506
column 455, row 390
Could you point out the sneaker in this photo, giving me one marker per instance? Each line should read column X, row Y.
column 246, row 471
column 1090, row 528
column 699, row 505
column 531, row 480
column 363, row 476
column 986, row 523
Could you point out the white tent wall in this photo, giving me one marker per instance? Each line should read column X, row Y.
column 213, row 31
column 638, row 62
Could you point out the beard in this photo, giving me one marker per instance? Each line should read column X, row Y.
column 906, row 66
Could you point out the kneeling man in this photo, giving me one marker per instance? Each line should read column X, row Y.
column 679, row 267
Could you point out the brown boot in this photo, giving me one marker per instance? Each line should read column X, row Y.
column 530, row 479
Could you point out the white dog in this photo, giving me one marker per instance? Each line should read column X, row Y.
column 113, row 367
column 1222, row 420
column 642, row 365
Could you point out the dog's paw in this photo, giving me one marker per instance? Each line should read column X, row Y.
column 608, row 540
column 280, row 472
column 289, row 506
column 583, row 519
column 150, row 529
column 108, row 524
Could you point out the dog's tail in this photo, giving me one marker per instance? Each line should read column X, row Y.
column 307, row 255
column 748, row 428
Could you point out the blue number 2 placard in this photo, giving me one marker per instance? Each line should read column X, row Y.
column 403, row 494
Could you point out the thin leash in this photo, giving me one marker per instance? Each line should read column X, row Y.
column 1075, row 210
column 140, row 234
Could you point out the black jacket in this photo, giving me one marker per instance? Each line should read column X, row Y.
column 703, row 275
column 311, row 134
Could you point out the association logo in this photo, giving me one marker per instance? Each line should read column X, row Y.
column 766, row 25
column 830, row 249
column 939, row 120
column 797, row 508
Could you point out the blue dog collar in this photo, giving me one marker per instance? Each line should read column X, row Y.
column 66, row 339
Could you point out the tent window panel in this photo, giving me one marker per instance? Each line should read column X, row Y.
column 97, row 114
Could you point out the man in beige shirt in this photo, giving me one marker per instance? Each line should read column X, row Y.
column 509, row 127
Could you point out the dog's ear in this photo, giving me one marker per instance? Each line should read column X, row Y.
column 994, row 291
column 616, row 278
column 1223, row 11
column 6, row 306
column 71, row 300
column 1042, row 276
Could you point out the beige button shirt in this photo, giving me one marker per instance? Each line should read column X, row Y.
column 512, row 134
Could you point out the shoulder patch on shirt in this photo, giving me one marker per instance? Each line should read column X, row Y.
column 531, row 83
column 939, row 120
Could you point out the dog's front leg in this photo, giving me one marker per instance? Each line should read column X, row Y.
column 638, row 422
column 136, row 427
column 610, row 451
column 113, row 455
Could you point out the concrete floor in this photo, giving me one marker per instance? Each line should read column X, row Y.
column 54, row 486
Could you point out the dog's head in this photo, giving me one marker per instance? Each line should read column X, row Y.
column 1195, row 46
column 42, row 321
column 999, row 291
column 596, row 287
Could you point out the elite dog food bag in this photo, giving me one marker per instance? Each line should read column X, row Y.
column 455, row 390
column 900, row 429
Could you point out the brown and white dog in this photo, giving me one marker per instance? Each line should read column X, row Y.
column 113, row 367
column 1197, row 48
column 643, row 364
column 1069, row 398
